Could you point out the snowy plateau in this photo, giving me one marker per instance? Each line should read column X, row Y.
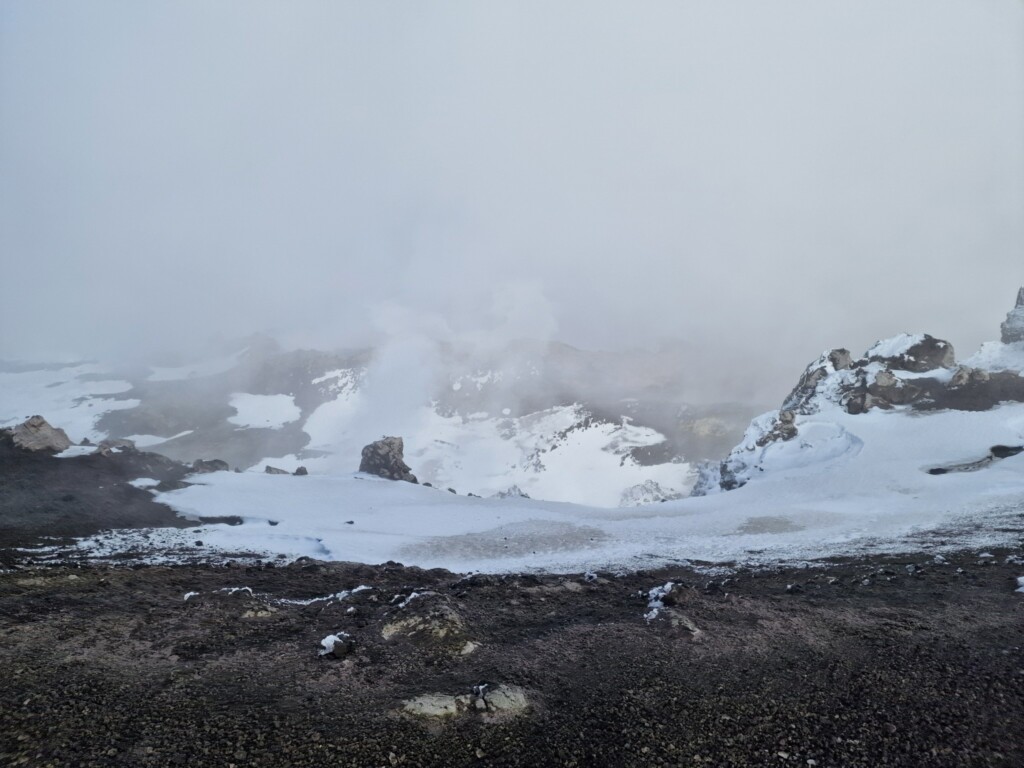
column 901, row 449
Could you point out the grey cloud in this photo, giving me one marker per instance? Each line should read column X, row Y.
column 761, row 180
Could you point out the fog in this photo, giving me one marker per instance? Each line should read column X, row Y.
column 747, row 182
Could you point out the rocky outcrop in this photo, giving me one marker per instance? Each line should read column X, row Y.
column 275, row 470
column 1013, row 328
column 913, row 353
column 205, row 466
column 385, row 458
column 114, row 445
column 911, row 371
column 36, row 434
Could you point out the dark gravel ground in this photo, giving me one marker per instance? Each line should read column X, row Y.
column 80, row 496
column 860, row 663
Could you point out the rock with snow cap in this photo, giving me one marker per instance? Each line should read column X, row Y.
column 1012, row 329
column 917, row 353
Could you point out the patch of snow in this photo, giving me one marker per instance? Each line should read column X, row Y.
column 996, row 356
column 76, row 450
column 189, row 595
column 655, row 600
column 147, row 441
column 558, row 454
column 339, row 596
column 263, row 411
column 330, row 641
column 72, row 398
column 144, row 482
column 858, row 484
column 233, row 590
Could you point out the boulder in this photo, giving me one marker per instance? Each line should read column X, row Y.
column 205, row 466
column 301, row 471
column 114, row 445
column 913, row 353
column 385, row 458
column 275, row 471
column 1013, row 328
column 36, row 434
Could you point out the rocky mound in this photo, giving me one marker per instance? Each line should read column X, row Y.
column 906, row 372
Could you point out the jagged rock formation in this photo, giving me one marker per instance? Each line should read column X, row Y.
column 1013, row 328
column 385, row 458
column 36, row 434
column 915, row 372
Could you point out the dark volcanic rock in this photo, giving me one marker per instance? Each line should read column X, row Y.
column 385, row 458
column 36, row 434
column 1013, row 327
column 205, row 466
column 300, row 472
column 918, row 668
column 41, row 495
column 275, row 471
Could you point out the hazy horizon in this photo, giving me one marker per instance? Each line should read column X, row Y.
column 761, row 182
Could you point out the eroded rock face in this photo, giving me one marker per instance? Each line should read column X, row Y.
column 1013, row 327
column 36, row 434
column 385, row 458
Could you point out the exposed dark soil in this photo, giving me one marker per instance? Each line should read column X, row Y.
column 866, row 663
column 79, row 496
column 874, row 662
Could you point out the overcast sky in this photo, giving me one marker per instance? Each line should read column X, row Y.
column 763, row 179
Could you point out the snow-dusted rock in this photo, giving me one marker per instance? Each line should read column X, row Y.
column 36, row 434
column 114, row 445
column 647, row 492
column 385, row 458
column 918, row 353
column 512, row 492
column 205, row 466
column 908, row 371
column 1012, row 329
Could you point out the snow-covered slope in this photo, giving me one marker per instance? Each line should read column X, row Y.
column 872, row 494
column 899, row 450
column 73, row 397
column 558, row 422
column 906, row 376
